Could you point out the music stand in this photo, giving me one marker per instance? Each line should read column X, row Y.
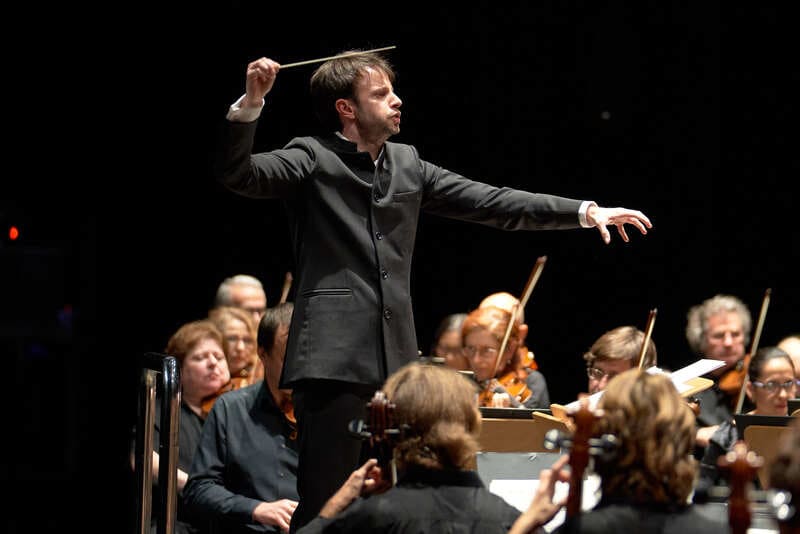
column 518, row 435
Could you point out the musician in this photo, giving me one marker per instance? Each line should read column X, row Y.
column 239, row 330
column 503, row 379
column 353, row 201
column 771, row 384
column 447, row 342
column 244, row 474
column 437, row 489
column 506, row 301
column 791, row 344
column 242, row 291
column 719, row 329
column 617, row 350
column 646, row 484
column 198, row 348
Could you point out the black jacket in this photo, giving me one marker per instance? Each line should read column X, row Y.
column 353, row 226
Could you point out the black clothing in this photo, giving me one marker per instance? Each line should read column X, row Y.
column 353, row 242
column 353, row 226
column 245, row 457
column 640, row 519
column 189, row 429
column 425, row 501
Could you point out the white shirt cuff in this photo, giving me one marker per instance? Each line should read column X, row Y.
column 238, row 114
column 582, row 212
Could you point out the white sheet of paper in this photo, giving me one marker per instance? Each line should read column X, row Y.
column 519, row 494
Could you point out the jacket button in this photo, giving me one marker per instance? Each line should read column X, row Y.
column 387, row 313
column 384, row 274
column 378, row 236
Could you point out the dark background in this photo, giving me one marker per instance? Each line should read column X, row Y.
column 683, row 112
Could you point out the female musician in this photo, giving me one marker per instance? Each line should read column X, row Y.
column 198, row 348
column 646, row 483
column 771, row 384
column 239, row 330
column 447, row 342
column 437, row 487
column 503, row 379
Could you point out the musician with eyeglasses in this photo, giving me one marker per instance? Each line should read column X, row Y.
column 617, row 350
column 504, row 381
column 771, row 384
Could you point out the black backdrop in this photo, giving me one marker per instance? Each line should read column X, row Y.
column 681, row 112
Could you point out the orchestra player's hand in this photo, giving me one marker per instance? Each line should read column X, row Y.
column 362, row 481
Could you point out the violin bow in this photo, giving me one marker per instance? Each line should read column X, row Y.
column 754, row 347
column 517, row 309
column 287, row 283
column 651, row 321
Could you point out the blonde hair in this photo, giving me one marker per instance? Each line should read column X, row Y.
column 655, row 429
column 437, row 408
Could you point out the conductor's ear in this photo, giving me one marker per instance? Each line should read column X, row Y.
column 344, row 108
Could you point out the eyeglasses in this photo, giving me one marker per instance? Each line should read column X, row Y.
column 234, row 340
column 772, row 387
column 598, row 374
column 444, row 350
column 484, row 352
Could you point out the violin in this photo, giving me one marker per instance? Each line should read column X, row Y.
column 513, row 383
column 234, row 383
column 287, row 407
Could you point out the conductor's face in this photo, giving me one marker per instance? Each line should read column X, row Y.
column 376, row 106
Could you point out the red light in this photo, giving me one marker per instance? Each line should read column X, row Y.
column 13, row 233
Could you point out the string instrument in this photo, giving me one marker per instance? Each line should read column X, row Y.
column 287, row 407
column 651, row 321
column 512, row 382
column 382, row 435
column 741, row 467
column 734, row 381
column 582, row 446
column 235, row 382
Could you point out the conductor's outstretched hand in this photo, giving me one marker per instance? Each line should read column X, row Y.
column 601, row 218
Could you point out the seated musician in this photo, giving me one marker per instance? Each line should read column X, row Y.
column 614, row 352
column 447, row 342
column 437, row 489
column 243, row 477
column 502, row 377
column 771, row 384
column 646, row 484
column 198, row 347
column 506, row 301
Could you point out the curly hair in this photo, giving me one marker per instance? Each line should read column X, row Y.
column 655, row 429
column 697, row 319
column 437, row 408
